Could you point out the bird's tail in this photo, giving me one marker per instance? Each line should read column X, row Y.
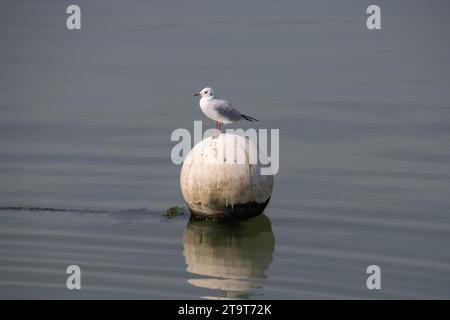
column 248, row 118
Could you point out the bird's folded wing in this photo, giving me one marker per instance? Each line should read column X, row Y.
column 224, row 109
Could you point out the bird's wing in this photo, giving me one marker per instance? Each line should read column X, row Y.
column 224, row 109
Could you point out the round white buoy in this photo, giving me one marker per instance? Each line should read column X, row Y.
column 221, row 178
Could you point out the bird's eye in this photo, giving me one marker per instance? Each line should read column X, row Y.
column 210, row 94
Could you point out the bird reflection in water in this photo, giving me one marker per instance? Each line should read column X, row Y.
column 233, row 257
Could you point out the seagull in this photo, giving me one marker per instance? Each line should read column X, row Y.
column 219, row 110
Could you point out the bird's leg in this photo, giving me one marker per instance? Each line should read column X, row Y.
column 217, row 129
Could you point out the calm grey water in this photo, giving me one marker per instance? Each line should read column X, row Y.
column 85, row 124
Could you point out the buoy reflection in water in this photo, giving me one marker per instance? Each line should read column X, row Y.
column 233, row 256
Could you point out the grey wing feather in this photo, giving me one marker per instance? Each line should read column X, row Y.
column 225, row 109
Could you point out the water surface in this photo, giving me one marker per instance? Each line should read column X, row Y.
column 85, row 124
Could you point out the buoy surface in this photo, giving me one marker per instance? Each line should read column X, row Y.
column 221, row 178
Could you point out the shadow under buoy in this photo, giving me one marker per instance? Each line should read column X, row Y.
column 233, row 257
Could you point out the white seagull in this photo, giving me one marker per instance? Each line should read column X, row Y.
column 219, row 110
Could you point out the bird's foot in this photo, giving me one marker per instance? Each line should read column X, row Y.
column 216, row 134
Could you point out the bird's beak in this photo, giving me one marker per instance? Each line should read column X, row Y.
column 197, row 94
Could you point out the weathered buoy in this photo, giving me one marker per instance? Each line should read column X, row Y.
column 221, row 179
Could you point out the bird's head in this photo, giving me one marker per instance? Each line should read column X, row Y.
column 205, row 93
